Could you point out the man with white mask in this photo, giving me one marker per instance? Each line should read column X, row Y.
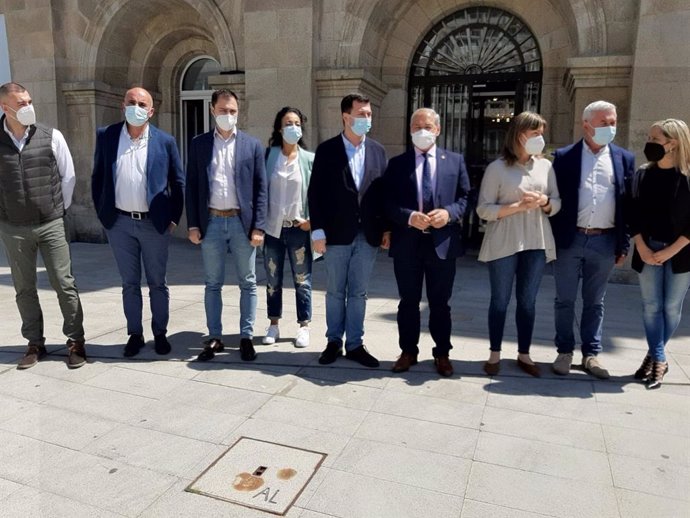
column 425, row 199
column 226, row 211
column 138, row 192
column 36, row 185
column 590, row 232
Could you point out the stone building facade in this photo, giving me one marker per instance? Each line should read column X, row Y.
column 475, row 61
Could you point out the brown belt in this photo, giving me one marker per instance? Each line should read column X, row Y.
column 594, row 231
column 229, row 213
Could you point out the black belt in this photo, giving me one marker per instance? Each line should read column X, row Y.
column 134, row 215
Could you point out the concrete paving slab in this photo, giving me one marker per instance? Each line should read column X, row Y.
column 309, row 414
column 474, row 509
column 648, row 445
column 659, row 477
column 644, row 418
column 419, row 435
column 266, row 379
column 415, row 468
column 634, row 504
column 545, row 458
column 537, row 493
column 34, row 387
column 228, row 400
column 11, row 406
column 23, row 458
column 34, row 503
column 7, row 487
column 357, row 496
column 332, row 393
column 131, row 381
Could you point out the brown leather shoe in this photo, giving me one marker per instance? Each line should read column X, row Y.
column 532, row 370
column 77, row 354
column 404, row 362
column 35, row 352
column 492, row 369
column 443, row 366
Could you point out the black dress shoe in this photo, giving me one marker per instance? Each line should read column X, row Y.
column 211, row 347
column 134, row 345
column 331, row 353
column 362, row 356
column 247, row 352
column 162, row 345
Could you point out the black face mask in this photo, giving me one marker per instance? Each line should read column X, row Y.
column 654, row 151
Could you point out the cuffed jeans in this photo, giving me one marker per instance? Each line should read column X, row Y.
column 22, row 244
column 591, row 258
column 526, row 268
column 297, row 244
column 411, row 271
column 225, row 235
column 663, row 293
column 133, row 242
column 348, row 269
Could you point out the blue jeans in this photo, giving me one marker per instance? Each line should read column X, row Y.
column 133, row 241
column 662, row 299
column 223, row 235
column 591, row 258
column 297, row 243
column 348, row 269
column 526, row 268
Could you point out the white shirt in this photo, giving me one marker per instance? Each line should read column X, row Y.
column 221, row 182
column 284, row 195
column 130, row 172
column 63, row 158
column 597, row 194
column 419, row 169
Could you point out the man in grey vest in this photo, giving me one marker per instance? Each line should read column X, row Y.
column 36, row 185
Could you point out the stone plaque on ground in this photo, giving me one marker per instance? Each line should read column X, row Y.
column 259, row 474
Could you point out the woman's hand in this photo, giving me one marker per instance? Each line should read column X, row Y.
column 663, row 255
column 647, row 255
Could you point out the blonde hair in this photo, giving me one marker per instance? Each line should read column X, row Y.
column 525, row 121
column 677, row 130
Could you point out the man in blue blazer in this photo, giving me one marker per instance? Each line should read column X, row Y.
column 346, row 210
column 226, row 211
column 590, row 232
column 138, row 188
column 426, row 192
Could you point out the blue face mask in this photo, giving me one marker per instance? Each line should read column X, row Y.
column 136, row 115
column 604, row 136
column 292, row 134
column 361, row 126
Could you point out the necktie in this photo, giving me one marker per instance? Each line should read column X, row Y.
column 427, row 191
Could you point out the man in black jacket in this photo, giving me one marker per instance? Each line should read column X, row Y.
column 345, row 205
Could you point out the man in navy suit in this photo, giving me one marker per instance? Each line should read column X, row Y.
column 345, row 205
column 590, row 232
column 426, row 195
column 138, row 189
column 226, row 211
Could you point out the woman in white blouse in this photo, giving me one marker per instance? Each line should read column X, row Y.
column 517, row 194
column 288, row 167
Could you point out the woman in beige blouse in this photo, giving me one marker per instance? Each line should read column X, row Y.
column 517, row 194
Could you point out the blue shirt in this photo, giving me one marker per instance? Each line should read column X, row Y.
column 355, row 157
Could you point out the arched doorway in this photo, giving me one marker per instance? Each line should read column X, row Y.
column 477, row 68
column 195, row 100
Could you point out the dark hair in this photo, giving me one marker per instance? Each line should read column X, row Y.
column 350, row 99
column 277, row 137
column 223, row 92
column 11, row 87
column 525, row 121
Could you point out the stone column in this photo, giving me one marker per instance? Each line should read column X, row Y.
column 278, row 36
column 607, row 78
column 661, row 78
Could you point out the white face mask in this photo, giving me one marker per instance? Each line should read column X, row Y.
column 226, row 122
column 136, row 115
column 535, row 145
column 423, row 139
column 292, row 134
column 26, row 115
column 604, row 135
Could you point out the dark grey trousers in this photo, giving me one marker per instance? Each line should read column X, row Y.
column 22, row 244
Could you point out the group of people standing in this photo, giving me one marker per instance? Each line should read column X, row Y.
column 344, row 202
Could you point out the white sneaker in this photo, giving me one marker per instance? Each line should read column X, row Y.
column 272, row 334
column 302, row 339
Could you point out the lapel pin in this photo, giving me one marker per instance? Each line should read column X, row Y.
column 443, row 157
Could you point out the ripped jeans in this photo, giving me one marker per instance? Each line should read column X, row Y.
column 297, row 243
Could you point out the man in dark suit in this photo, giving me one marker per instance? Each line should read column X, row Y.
column 345, row 206
column 138, row 188
column 426, row 195
column 226, row 211
column 590, row 232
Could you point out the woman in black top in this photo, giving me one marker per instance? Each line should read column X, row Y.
column 659, row 216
